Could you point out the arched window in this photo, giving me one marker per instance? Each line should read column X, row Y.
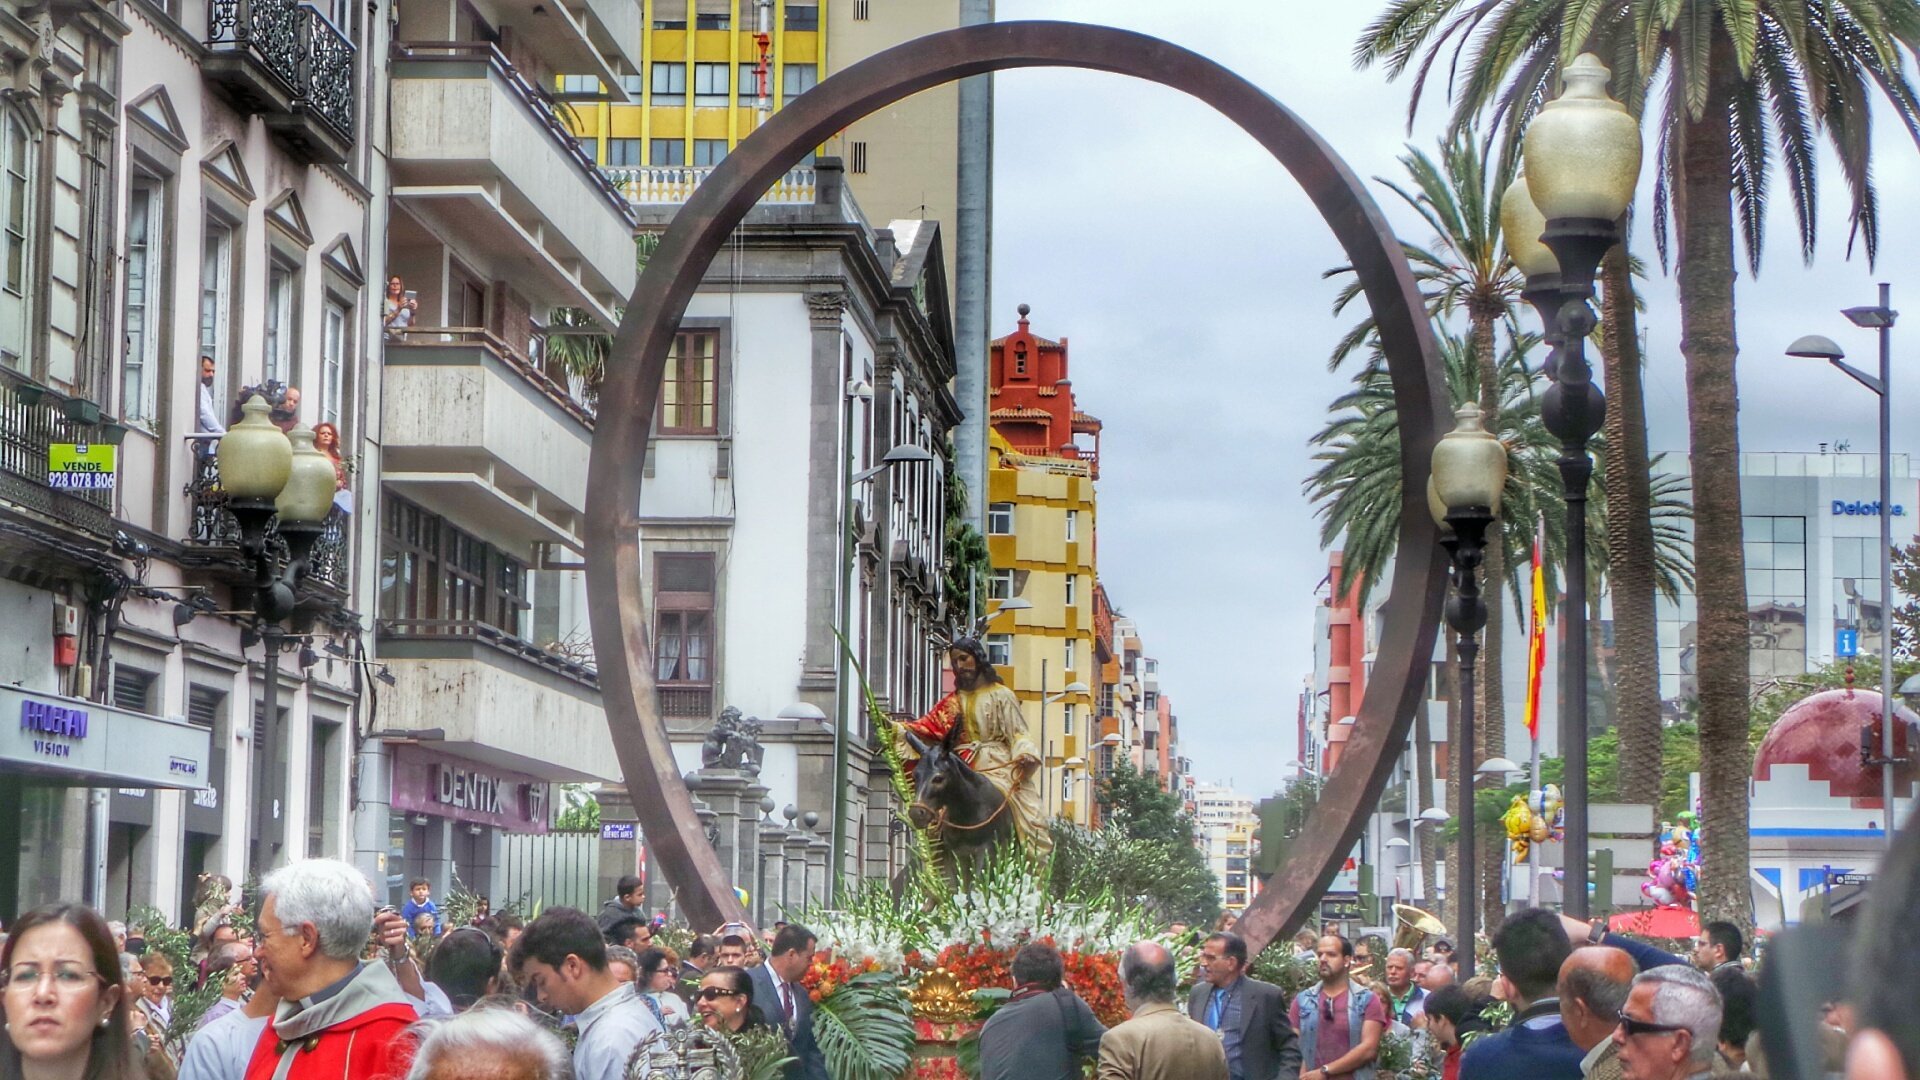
column 17, row 152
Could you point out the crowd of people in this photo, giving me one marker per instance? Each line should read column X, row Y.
column 322, row 983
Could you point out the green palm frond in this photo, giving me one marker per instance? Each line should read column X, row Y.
column 1804, row 70
column 865, row 1029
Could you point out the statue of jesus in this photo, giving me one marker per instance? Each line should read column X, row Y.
column 993, row 739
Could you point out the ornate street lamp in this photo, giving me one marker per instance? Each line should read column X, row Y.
column 1582, row 162
column 269, row 475
column 1463, row 494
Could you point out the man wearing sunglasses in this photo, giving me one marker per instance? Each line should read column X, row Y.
column 1669, row 1026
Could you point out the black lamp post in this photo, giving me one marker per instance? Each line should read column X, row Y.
column 1463, row 494
column 1560, row 219
column 272, row 476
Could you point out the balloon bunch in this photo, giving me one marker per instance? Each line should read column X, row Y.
column 1674, row 874
column 1534, row 818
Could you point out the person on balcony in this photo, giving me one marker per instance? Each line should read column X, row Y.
column 398, row 309
column 206, row 419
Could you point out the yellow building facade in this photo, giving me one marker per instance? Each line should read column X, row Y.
column 1041, row 515
column 699, row 92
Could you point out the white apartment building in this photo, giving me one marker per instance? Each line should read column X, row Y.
column 1225, row 821
column 500, row 229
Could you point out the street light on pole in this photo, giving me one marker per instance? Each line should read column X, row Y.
column 1047, row 760
column 1463, row 494
column 899, row 455
column 1582, row 163
column 1879, row 318
column 270, row 476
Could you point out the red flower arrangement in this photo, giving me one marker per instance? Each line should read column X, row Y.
column 1094, row 976
column 829, row 973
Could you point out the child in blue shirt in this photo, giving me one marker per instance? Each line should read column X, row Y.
column 420, row 901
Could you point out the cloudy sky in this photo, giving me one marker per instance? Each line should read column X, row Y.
column 1184, row 267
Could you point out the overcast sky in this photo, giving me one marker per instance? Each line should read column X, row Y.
column 1184, row 266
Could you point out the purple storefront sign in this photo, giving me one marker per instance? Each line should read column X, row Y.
column 426, row 782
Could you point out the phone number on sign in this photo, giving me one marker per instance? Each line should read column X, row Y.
column 80, row 480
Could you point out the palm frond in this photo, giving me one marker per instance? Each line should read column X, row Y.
column 865, row 1029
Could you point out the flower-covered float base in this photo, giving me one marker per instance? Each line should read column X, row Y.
column 904, row 982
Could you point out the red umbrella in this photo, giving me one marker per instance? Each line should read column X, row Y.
column 1659, row 922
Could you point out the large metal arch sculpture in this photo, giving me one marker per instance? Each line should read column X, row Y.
column 629, row 395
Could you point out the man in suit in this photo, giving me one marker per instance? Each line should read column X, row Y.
column 1157, row 1043
column 1249, row 1015
column 777, row 990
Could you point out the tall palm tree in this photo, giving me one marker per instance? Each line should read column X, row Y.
column 1463, row 270
column 1357, row 486
column 1745, row 85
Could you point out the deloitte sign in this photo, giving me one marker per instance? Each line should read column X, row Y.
column 1843, row 508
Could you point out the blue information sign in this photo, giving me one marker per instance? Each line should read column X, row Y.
column 1846, row 642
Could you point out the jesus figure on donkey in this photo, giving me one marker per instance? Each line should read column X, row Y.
column 993, row 739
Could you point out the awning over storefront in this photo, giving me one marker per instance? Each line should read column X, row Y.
column 64, row 741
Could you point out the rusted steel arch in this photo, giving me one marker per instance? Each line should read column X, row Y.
column 630, row 394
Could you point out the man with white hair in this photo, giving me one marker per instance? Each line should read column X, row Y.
column 488, row 1042
column 338, row 1017
column 1405, row 997
column 1670, row 1025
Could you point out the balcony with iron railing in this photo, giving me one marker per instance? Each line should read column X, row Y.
column 213, row 534
column 284, row 61
column 32, row 420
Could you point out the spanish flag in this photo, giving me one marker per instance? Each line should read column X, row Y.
column 1537, row 635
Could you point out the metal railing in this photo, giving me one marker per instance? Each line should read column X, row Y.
column 211, row 524
column 545, row 109
column 26, row 433
column 267, row 29
column 469, row 630
column 667, row 185
column 326, row 71
column 685, row 700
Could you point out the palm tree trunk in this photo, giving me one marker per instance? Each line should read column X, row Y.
column 1491, row 738
column 1630, row 546
column 1706, row 277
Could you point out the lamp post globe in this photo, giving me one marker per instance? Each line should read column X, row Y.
column 307, row 493
column 254, row 456
column 1583, row 148
column 1469, row 467
column 1521, row 225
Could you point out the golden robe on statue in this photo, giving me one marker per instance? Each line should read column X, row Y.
column 994, row 741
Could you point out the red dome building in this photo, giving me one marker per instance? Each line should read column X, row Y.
column 1823, row 732
column 1818, row 809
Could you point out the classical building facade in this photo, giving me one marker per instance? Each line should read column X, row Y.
column 773, row 529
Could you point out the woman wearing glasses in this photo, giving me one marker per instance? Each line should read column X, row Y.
column 658, row 975
column 66, row 1014
column 725, row 1001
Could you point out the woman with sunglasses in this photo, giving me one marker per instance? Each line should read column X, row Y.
column 65, row 1010
column 657, row 977
column 725, row 1001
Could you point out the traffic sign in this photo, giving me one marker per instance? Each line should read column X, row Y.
column 1846, row 642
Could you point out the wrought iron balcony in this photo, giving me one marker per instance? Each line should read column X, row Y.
column 685, row 700
column 286, row 62
column 455, row 636
column 29, row 425
column 215, row 533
